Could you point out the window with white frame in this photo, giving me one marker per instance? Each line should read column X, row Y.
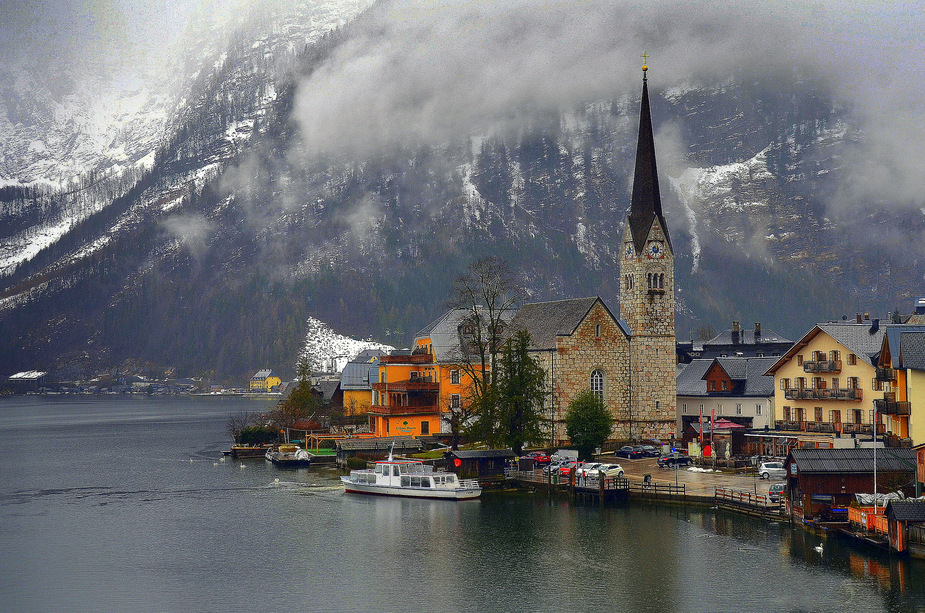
column 757, row 409
column 597, row 384
column 454, row 377
column 454, row 401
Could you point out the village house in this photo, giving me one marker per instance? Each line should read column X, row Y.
column 822, row 483
column 735, row 342
column 356, row 381
column 736, row 389
column 264, row 381
column 901, row 374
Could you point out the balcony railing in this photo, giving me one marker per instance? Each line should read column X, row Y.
column 826, row 427
column 807, row 393
column 419, row 358
column 892, row 407
column 822, row 366
column 886, row 374
column 378, row 409
column 423, row 384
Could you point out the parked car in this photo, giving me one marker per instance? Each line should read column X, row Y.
column 608, row 470
column 776, row 491
column 538, row 457
column 588, row 469
column 554, row 466
column 629, row 452
column 650, row 451
column 567, row 468
column 772, row 469
column 673, row 459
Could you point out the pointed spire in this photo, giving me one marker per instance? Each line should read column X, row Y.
column 646, row 203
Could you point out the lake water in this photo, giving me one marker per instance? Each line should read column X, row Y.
column 124, row 503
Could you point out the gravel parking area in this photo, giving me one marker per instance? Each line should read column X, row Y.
column 697, row 482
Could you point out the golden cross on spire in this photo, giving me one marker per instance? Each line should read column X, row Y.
column 644, row 56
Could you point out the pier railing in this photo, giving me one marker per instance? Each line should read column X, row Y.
column 739, row 498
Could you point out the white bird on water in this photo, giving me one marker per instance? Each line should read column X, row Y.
column 818, row 548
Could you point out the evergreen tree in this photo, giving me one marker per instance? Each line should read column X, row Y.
column 520, row 394
column 588, row 423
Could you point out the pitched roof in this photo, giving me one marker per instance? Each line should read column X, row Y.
column 263, row 374
column 690, row 380
column 912, row 350
column 646, row 204
column 746, row 337
column 547, row 320
column 864, row 339
column 906, row 510
column 356, row 375
column 856, row 461
column 443, row 333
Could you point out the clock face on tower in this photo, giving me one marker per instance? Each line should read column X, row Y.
column 655, row 250
column 629, row 252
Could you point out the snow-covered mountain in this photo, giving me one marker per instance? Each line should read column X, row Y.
column 193, row 229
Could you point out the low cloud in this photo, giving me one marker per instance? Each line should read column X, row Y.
column 191, row 230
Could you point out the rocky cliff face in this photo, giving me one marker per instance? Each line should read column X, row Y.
column 207, row 242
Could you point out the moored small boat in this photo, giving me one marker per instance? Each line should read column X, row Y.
column 239, row 452
column 289, row 456
column 410, row 478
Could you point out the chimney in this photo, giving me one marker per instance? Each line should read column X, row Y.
column 757, row 332
column 858, row 316
column 866, row 316
column 735, row 333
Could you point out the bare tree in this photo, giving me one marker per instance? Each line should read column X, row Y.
column 488, row 293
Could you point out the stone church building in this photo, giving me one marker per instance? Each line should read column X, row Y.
column 628, row 361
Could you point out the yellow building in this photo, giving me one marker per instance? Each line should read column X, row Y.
column 901, row 367
column 264, row 381
column 356, row 381
column 826, row 384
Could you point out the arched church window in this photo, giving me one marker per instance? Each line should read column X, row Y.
column 649, row 280
column 597, row 384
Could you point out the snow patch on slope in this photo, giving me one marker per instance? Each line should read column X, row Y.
column 327, row 351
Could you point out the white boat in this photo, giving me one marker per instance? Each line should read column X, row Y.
column 410, row 478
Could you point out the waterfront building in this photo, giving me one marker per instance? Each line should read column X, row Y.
column 826, row 383
column 264, row 381
column 821, row 483
column 736, row 389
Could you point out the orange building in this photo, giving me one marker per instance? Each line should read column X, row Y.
column 417, row 388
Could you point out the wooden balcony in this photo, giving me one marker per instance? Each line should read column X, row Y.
column 832, row 366
column 378, row 409
column 826, row 427
column 806, row 393
column 422, row 384
column 892, row 407
column 886, row 374
column 418, row 358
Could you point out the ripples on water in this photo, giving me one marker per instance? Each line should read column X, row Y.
column 118, row 504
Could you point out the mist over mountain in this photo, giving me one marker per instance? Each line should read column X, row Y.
column 343, row 160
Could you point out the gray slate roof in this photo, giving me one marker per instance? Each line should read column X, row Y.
column 752, row 371
column 444, row 334
column 906, row 510
column 861, row 339
column 853, row 461
column 356, row 375
column 746, row 337
column 547, row 320
column 912, row 350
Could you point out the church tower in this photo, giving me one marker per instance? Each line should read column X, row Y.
column 647, row 297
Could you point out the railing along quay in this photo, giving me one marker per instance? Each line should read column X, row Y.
column 753, row 504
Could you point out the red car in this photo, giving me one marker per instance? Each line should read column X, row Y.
column 566, row 468
column 538, row 457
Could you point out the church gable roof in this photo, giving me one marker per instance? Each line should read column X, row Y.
column 547, row 320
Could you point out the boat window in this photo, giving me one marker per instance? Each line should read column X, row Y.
column 415, row 482
column 395, row 470
column 425, row 482
column 378, row 469
column 405, row 480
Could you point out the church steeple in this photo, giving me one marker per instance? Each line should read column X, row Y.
column 646, row 203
